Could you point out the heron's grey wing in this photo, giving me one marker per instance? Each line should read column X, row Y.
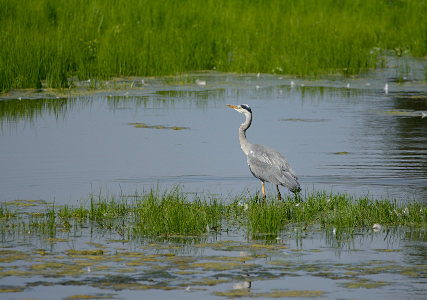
column 284, row 165
column 269, row 165
column 260, row 165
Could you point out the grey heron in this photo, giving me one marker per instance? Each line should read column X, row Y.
column 265, row 163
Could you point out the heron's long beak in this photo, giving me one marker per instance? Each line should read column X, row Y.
column 232, row 106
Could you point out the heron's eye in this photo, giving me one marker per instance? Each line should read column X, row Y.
column 246, row 107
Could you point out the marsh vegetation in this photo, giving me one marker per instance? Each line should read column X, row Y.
column 55, row 43
column 155, row 214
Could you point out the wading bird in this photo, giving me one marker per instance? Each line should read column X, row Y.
column 265, row 163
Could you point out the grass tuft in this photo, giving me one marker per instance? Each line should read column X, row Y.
column 155, row 214
column 171, row 214
column 333, row 210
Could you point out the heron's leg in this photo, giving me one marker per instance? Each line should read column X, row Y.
column 279, row 196
column 263, row 191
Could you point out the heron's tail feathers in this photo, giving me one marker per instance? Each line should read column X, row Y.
column 291, row 182
column 296, row 189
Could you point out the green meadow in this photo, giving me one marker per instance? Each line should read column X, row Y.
column 169, row 214
column 53, row 43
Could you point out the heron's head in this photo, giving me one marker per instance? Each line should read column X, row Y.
column 242, row 108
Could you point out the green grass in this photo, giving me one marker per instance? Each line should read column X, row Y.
column 155, row 214
column 333, row 210
column 53, row 42
column 170, row 213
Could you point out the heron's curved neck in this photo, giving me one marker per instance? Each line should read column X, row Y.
column 244, row 143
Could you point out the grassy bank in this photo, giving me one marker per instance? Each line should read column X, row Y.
column 170, row 214
column 51, row 41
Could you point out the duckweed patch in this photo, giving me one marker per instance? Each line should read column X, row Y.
column 341, row 153
column 56, row 240
column 402, row 113
column 11, row 289
column 218, row 266
column 292, row 293
column 209, row 282
column 25, row 203
column 237, row 293
column 364, row 283
column 97, row 245
column 84, row 252
column 302, row 120
column 143, row 125
column 84, row 296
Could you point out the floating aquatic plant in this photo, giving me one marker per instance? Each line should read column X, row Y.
column 143, row 125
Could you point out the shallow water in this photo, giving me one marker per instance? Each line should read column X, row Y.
column 127, row 136
column 339, row 134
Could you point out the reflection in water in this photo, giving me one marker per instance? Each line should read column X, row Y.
column 29, row 110
column 412, row 133
column 63, row 149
